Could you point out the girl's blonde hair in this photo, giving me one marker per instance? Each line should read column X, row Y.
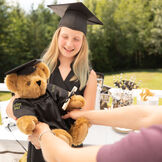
column 81, row 62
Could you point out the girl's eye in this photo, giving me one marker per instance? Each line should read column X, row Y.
column 65, row 37
column 76, row 39
column 28, row 83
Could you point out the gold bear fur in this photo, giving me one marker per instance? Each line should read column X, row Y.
column 26, row 86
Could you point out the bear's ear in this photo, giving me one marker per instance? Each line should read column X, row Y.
column 11, row 81
column 44, row 68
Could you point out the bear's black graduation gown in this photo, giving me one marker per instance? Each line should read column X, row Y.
column 46, row 108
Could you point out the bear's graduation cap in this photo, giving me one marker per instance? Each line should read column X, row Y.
column 24, row 69
column 75, row 16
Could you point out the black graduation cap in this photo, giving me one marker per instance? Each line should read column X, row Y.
column 24, row 69
column 75, row 16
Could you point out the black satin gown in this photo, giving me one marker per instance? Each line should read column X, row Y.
column 66, row 84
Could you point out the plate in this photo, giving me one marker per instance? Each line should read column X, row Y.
column 122, row 130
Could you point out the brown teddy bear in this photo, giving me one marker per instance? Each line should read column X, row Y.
column 43, row 102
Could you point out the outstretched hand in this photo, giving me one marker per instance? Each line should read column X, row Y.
column 34, row 138
column 75, row 114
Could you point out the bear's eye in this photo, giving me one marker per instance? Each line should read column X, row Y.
column 28, row 83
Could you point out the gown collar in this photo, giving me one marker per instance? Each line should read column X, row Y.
column 58, row 63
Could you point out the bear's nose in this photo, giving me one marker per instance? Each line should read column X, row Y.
column 38, row 82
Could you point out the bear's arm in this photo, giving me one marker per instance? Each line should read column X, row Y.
column 22, row 108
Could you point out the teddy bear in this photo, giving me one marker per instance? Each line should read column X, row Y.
column 40, row 101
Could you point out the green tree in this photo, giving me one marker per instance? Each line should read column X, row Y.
column 104, row 41
column 7, row 37
column 97, row 39
column 133, row 18
column 154, row 44
column 42, row 23
column 24, row 36
column 129, row 34
column 16, row 40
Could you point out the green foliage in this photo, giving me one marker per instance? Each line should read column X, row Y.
column 24, row 36
column 154, row 43
column 130, row 37
column 41, row 24
column 133, row 18
column 4, row 19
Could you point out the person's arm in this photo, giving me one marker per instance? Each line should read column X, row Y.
column 9, row 110
column 90, row 91
column 132, row 117
column 56, row 150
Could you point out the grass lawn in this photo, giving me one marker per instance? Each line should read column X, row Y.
column 149, row 78
column 5, row 96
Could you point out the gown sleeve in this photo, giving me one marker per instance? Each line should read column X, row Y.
column 22, row 107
